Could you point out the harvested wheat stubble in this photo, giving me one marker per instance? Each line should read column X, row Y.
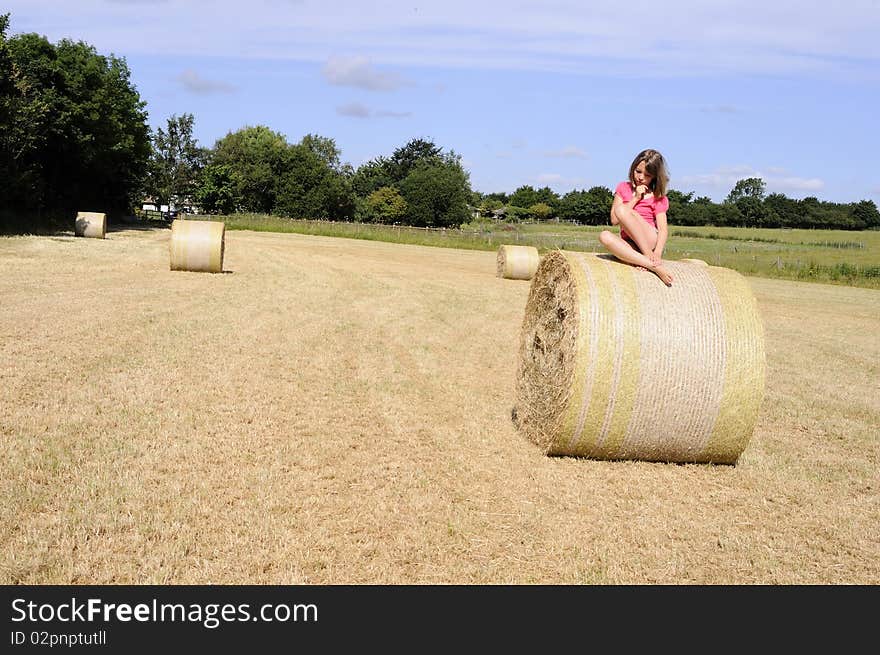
column 90, row 224
column 517, row 262
column 197, row 245
column 615, row 365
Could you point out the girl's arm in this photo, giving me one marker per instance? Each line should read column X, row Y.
column 617, row 202
column 662, row 234
column 639, row 193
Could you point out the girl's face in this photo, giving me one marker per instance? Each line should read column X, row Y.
column 642, row 176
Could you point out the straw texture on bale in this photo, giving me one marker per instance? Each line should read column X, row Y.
column 615, row 365
column 90, row 224
column 517, row 262
column 197, row 245
column 698, row 262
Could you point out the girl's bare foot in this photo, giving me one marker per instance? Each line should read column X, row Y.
column 665, row 276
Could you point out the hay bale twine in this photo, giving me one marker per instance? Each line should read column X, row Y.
column 90, row 224
column 197, row 245
column 517, row 262
column 615, row 365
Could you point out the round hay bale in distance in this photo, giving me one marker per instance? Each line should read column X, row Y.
column 90, row 224
column 615, row 365
column 517, row 262
column 197, row 245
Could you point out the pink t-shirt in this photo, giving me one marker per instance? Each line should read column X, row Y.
column 648, row 207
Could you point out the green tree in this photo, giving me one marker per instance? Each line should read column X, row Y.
column 176, row 162
column 437, row 193
column 371, row 176
column 325, row 148
column 524, row 196
column 405, row 158
column 23, row 117
column 310, row 188
column 75, row 133
column 549, row 197
column 785, row 209
column 591, row 207
column 750, row 187
column 216, row 190
column 865, row 214
column 489, row 206
column 541, row 211
column 753, row 212
column 386, row 205
column 498, row 195
column 256, row 157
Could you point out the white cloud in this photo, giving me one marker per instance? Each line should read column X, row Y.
column 194, row 83
column 557, row 182
column 359, row 72
column 687, row 37
column 357, row 110
column 777, row 180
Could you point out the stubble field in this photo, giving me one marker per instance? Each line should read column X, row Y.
column 333, row 411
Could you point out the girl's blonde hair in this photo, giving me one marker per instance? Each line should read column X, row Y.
column 655, row 165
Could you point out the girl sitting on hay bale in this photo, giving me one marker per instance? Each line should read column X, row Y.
column 639, row 207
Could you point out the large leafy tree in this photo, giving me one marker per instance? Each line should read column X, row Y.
column 175, row 163
column 310, row 188
column 77, row 135
column 256, row 159
column 216, row 192
column 865, row 214
column 591, row 207
column 437, row 193
column 386, row 205
column 524, row 196
column 416, row 151
column 371, row 176
column 784, row 209
column 23, row 118
column 750, row 187
column 325, row 148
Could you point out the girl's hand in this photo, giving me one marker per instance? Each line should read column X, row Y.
column 641, row 190
column 655, row 258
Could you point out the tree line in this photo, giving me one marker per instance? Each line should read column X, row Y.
column 74, row 136
column 747, row 205
column 256, row 170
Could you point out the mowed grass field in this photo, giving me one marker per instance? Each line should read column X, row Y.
column 333, row 411
column 826, row 256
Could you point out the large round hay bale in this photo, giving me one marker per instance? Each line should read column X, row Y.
column 615, row 365
column 517, row 262
column 690, row 260
column 197, row 245
column 90, row 224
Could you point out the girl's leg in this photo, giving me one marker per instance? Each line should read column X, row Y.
column 639, row 231
column 625, row 253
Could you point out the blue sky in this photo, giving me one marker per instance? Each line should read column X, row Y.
column 558, row 93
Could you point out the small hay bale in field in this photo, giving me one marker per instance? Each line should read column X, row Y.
column 197, row 245
column 615, row 365
column 90, row 224
column 517, row 262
